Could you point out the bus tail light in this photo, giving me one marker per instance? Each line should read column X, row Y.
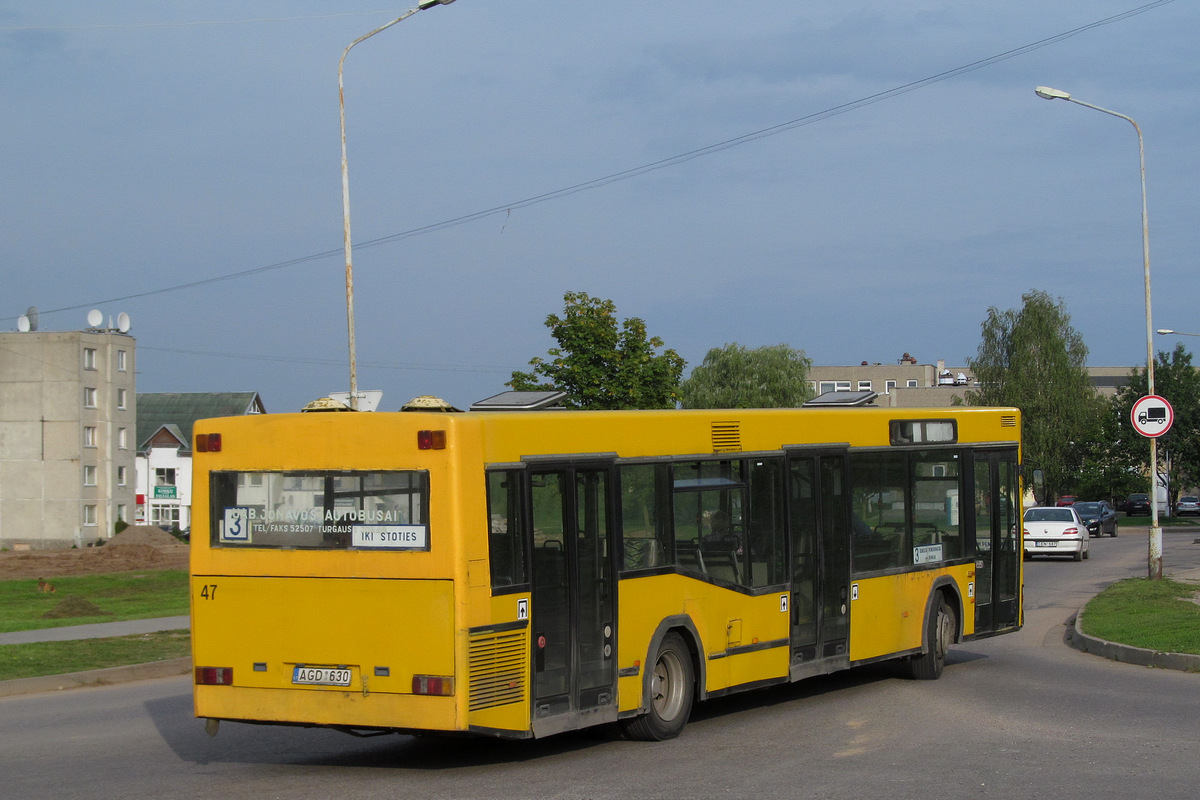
column 431, row 440
column 436, row 685
column 214, row 676
column 208, row 442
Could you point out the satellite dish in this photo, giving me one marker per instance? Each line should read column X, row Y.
column 94, row 318
column 23, row 324
column 123, row 322
column 32, row 314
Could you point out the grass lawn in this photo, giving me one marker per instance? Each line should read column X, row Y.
column 1158, row 615
column 56, row 658
column 93, row 598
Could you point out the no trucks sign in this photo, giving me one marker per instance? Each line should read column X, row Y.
column 1152, row 416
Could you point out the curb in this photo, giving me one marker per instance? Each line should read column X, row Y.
column 96, row 677
column 1127, row 654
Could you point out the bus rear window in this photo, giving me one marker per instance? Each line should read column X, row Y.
column 321, row 510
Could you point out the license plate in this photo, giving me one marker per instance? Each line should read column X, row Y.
column 321, row 676
column 1045, row 544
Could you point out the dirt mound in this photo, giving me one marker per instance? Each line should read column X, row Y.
column 138, row 547
column 75, row 607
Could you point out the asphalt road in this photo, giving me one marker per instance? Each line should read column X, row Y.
column 1019, row 716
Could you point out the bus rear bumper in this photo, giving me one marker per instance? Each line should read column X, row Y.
column 346, row 710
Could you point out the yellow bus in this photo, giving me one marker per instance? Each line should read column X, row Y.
column 523, row 573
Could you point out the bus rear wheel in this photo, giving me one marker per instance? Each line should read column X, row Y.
column 672, row 685
column 942, row 626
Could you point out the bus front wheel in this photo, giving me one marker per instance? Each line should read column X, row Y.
column 671, row 687
column 942, row 627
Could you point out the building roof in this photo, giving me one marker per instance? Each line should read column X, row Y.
column 177, row 412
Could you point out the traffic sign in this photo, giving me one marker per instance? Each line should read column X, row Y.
column 1152, row 416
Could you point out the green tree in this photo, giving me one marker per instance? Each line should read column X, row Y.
column 733, row 376
column 1033, row 359
column 1107, row 472
column 600, row 365
column 1179, row 448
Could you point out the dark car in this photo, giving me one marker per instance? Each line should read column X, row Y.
column 1100, row 518
column 1137, row 504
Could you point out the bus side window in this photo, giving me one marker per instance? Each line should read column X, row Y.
column 645, row 534
column 880, row 511
column 505, row 523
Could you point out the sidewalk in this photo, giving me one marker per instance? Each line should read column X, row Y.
column 96, row 677
column 99, row 630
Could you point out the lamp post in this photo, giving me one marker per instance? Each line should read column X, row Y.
column 421, row 6
column 1154, row 557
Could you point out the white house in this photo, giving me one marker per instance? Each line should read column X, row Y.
column 164, row 453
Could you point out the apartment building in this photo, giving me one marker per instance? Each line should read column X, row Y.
column 68, row 415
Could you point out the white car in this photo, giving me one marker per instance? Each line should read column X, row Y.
column 1055, row 531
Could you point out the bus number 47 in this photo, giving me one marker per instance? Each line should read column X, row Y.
column 209, row 591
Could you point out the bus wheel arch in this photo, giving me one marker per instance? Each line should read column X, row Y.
column 670, row 685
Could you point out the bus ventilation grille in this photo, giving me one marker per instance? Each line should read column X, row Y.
column 726, row 436
column 1008, row 421
column 497, row 669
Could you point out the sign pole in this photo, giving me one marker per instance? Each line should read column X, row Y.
column 1152, row 416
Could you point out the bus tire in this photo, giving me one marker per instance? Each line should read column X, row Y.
column 940, row 630
column 672, row 686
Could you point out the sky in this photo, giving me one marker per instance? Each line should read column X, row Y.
column 858, row 180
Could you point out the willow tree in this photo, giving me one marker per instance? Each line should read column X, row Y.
column 733, row 376
column 601, row 365
column 1033, row 359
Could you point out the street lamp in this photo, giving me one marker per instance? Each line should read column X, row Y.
column 421, row 6
column 1169, row 332
column 1154, row 559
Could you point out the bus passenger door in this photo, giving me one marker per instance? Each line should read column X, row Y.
column 997, row 540
column 573, row 597
column 820, row 556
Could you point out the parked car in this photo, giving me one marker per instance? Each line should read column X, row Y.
column 1100, row 517
column 1066, row 500
column 1055, row 531
column 1137, row 504
column 1188, row 504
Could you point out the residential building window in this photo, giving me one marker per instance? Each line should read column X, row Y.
column 888, row 386
column 165, row 515
column 121, row 393
column 89, row 358
column 826, row 386
column 121, row 512
column 843, row 386
column 89, row 515
column 164, row 476
column 89, row 475
column 864, row 386
column 912, row 384
column 121, row 476
column 89, row 397
column 122, row 439
column 121, row 361
column 89, row 436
